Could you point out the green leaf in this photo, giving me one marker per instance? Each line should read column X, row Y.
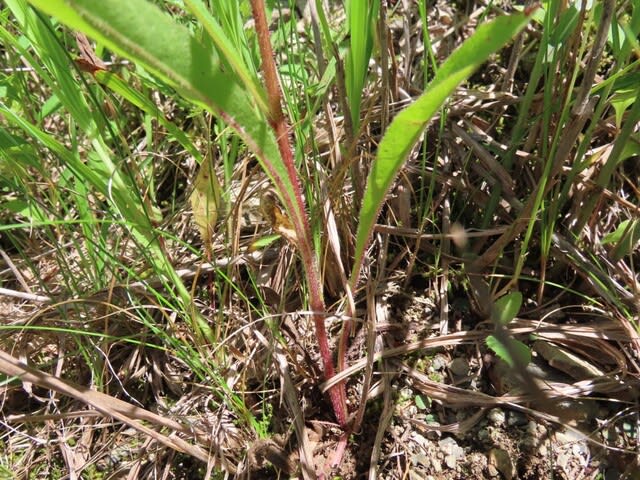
column 506, row 308
column 264, row 242
column 361, row 16
column 514, row 353
column 228, row 51
column 140, row 31
column 622, row 100
column 406, row 128
column 626, row 236
column 421, row 403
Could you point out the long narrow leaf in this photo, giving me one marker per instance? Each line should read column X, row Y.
column 406, row 128
column 361, row 15
column 228, row 51
column 140, row 31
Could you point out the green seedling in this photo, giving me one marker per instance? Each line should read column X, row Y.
column 513, row 352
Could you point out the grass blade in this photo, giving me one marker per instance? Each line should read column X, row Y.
column 362, row 14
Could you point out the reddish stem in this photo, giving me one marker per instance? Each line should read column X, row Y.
column 278, row 122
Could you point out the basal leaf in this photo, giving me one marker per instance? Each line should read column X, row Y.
column 406, row 128
column 361, row 18
column 506, row 308
column 228, row 50
column 513, row 353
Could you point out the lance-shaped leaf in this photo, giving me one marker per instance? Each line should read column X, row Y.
column 406, row 128
column 506, row 308
column 140, row 31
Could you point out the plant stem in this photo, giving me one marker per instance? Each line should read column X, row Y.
column 296, row 207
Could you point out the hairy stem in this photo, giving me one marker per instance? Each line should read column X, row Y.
column 296, row 207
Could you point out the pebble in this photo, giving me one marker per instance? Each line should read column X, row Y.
column 562, row 460
column 452, row 451
column 434, row 434
column 569, row 436
column 528, row 443
column 419, row 440
column 421, row 459
column 451, row 461
column 459, row 367
column 492, row 471
column 543, row 450
column 580, row 450
column 516, row 419
column 501, row 460
column 439, row 362
column 406, row 393
column 414, row 475
column 496, row 416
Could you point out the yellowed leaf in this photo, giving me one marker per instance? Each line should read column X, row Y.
column 206, row 200
column 275, row 216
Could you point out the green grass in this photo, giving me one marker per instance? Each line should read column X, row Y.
column 185, row 316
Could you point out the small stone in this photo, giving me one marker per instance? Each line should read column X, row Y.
column 421, row 459
column 502, row 461
column 414, row 475
column 566, row 361
column 451, row 461
column 447, row 445
column 406, row 393
column 419, row 440
column 562, row 460
column 434, row 434
column 411, row 411
column 528, row 443
column 492, row 471
column 569, row 436
column 439, row 362
column 459, row 367
column 543, row 450
column 496, row 416
column 516, row 419
column 580, row 450
column 452, row 451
